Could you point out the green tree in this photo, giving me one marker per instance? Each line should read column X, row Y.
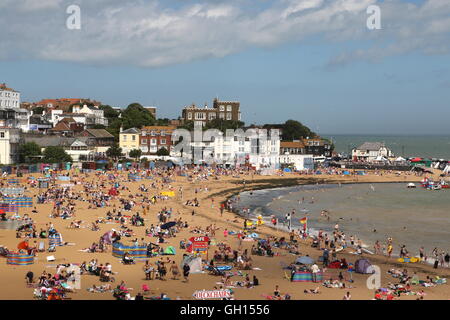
column 114, row 151
column 135, row 153
column 294, row 130
column 135, row 115
column 27, row 150
column 162, row 152
column 55, row 154
column 109, row 112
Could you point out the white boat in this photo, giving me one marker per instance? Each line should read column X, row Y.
column 411, row 185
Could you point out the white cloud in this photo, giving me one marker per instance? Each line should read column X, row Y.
column 152, row 33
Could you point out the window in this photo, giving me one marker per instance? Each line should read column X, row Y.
column 144, row 133
column 143, row 141
column 152, row 133
column 229, row 108
column 124, row 137
column 163, row 141
column 189, row 115
column 163, row 133
column 222, row 115
column 212, row 116
column 222, row 108
column 133, row 137
column 153, row 142
column 228, row 116
column 2, row 134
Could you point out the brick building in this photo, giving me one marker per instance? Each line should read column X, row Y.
column 226, row 110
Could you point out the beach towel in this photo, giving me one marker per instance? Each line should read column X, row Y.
column 306, row 277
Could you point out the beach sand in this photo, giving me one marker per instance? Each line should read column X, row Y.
column 12, row 278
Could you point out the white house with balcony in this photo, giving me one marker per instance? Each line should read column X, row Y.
column 371, row 151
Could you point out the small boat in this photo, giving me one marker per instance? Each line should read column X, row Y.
column 411, row 185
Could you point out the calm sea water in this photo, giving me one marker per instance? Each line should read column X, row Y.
column 413, row 217
column 407, row 146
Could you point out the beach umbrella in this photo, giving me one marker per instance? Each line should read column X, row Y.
column 2, row 211
column 304, row 260
column 168, row 225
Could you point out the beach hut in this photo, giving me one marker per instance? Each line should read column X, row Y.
column 19, row 259
column 135, row 252
column 363, row 266
column 55, row 240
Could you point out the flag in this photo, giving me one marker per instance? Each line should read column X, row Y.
column 304, row 222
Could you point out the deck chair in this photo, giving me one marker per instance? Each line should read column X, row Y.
column 41, row 247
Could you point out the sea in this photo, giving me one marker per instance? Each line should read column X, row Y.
column 412, row 217
column 427, row 146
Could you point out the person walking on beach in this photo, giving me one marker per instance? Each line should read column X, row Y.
column 186, row 270
column 347, row 296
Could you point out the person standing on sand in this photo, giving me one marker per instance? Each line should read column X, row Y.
column 389, row 250
column 225, row 232
column 347, row 296
column 186, row 270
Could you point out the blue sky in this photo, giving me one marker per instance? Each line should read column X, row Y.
column 309, row 60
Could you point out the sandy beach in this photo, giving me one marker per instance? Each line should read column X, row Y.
column 269, row 269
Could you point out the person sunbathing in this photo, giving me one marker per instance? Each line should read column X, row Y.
column 313, row 291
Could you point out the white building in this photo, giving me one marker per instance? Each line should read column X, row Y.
column 11, row 115
column 9, row 98
column 255, row 147
column 299, row 162
column 371, row 151
column 94, row 115
column 9, row 145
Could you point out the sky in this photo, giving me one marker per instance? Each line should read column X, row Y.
column 314, row 61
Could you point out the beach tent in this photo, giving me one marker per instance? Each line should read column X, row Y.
column 136, row 252
column 55, row 240
column 363, row 266
column 304, row 260
column 194, row 263
column 380, row 158
column 287, row 170
column 346, row 172
column 170, row 251
column 19, row 259
column 400, row 159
